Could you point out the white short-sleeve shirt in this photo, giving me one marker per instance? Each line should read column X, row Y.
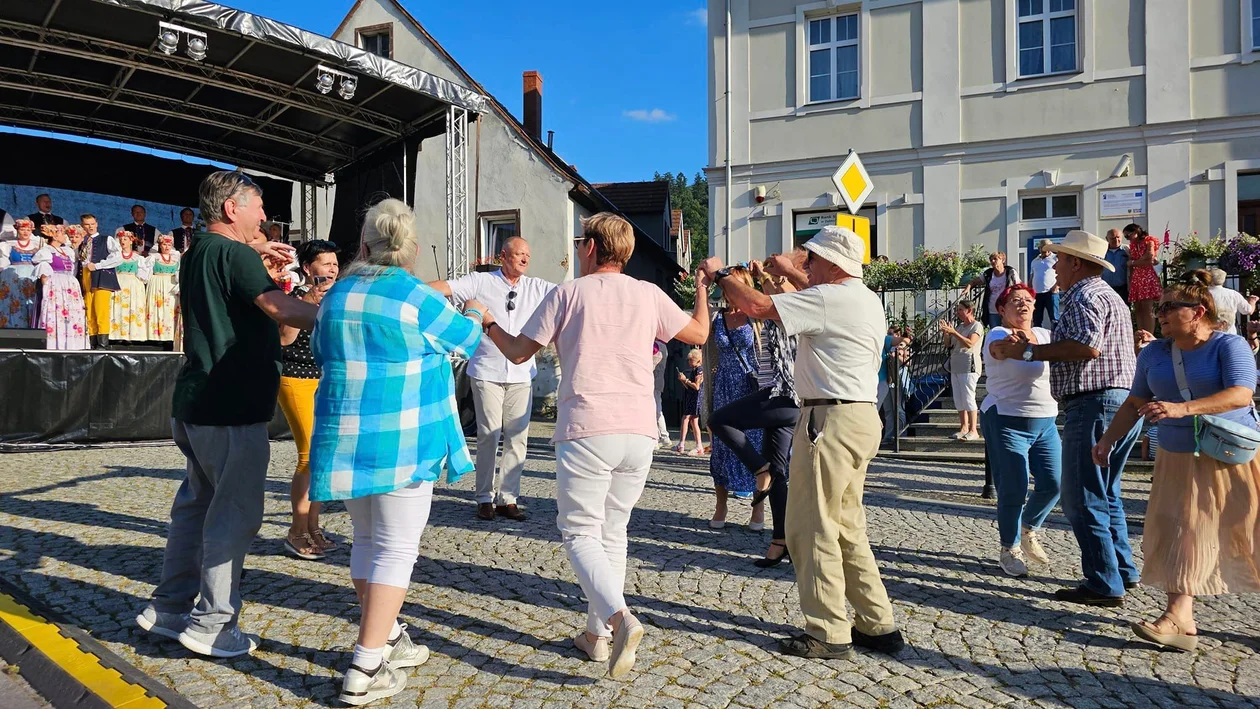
column 488, row 364
column 1016, row 387
column 841, row 329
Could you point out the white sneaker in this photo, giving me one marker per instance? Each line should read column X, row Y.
column 624, row 644
column 1012, row 561
column 226, row 643
column 971, row 436
column 1030, row 543
column 361, row 686
column 597, row 651
column 401, row 652
column 958, row 436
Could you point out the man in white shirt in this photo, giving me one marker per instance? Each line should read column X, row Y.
column 502, row 391
column 1045, row 283
column 841, row 328
column 1229, row 302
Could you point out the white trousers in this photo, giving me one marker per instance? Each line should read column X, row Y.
column 964, row 387
column 387, row 531
column 502, row 413
column 598, row 481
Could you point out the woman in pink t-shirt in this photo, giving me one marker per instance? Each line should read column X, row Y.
column 603, row 325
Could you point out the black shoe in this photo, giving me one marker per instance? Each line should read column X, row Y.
column 769, row 562
column 1084, row 596
column 760, row 495
column 1130, row 585
column 805, row 645
column 888, row 643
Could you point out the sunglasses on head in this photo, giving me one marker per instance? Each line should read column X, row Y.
column 1170, row 305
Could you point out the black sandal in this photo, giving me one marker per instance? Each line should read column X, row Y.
column 760, row 495
column 768, row 562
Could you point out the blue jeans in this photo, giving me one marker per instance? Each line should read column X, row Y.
column 1046, row 303
column 1018, row 445
column 1091, row 495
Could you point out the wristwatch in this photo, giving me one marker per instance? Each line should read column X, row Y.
column 1028, row 353
column 721, row 273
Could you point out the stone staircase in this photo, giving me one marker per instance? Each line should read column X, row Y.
column 927, row 440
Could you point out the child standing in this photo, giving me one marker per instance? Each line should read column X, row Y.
column 693, row 379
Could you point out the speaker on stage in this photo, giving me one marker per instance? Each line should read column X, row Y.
column 23, row 338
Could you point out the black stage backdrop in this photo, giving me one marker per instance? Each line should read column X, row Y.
column 106, row 397
column 67, row 165
column 364, row 183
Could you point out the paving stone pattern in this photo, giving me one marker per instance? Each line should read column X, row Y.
column 498, row 605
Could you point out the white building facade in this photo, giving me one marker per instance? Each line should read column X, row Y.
column 994, row 122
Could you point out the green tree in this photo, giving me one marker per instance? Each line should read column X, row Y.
column 693, row 199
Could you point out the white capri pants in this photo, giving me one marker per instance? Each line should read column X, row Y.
column 387, row 531
column 964, row 387
column 598, row 481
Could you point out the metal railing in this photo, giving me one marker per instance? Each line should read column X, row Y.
column 919, row 381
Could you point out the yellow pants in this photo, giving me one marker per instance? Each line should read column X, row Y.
column 826, row 523
column 100, row 306
column 297, row 401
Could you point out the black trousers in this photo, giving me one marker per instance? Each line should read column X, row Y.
column 777, row 415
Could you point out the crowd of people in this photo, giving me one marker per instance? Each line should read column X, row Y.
column 85, row 288
column 362, row 364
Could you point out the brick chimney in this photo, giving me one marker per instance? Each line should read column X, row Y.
column 533, row 104
column 675, row 222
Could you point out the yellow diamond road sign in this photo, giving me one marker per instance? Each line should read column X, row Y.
column 853, row 182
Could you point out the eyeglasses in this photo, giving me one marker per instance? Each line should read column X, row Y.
column 511, row 301
column 1169, row 305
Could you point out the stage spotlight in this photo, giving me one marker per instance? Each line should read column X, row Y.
column 325, row 82
column 168, row 41
column 348, row 86
column 196, row 48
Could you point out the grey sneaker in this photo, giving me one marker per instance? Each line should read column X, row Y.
column 401, row 652
column 362, row 686
column 225, row 643
column 1012, row 561
column 1030, row 543
column 168, row 625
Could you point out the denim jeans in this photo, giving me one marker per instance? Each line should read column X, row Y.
column 777, row 415
column 1017, row 446
column 1091, row 495
column 1046, row 303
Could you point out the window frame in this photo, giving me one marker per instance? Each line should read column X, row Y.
column 833, row 46
column 1049, row 224
column 1084, row 71
column 1249, row 25
column 1047, row 17
column 806, row 13
column 386, row 29
column 485, row 220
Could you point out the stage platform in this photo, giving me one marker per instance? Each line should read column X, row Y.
column 89, row 398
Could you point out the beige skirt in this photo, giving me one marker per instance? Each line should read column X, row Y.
column 1202, row 534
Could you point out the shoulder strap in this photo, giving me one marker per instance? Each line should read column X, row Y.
column 738, row 355
column 1179, row 369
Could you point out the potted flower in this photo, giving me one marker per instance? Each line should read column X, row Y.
column 878, row 274
column 1242, row 258
column 974, row 262
column 485, row 265
column 1193, row 254
column 940, row 269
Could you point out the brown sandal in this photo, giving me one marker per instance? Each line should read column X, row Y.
column 324, row 543
column 1177, row 640
column 303, row 547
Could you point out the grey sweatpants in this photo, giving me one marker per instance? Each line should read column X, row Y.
column 216, row 514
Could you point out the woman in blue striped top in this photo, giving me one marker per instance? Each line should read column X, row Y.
column 386, row 423
column 1202, row 531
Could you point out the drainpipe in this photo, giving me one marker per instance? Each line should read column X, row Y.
column 727, row 260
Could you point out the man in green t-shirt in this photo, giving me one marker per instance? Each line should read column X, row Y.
column 224, row 396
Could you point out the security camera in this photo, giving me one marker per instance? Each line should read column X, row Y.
column 760, row 193
column 1123, row 169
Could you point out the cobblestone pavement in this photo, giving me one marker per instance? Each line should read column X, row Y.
column 497, row 604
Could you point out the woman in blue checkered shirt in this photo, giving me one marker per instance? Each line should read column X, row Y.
column 386, row 423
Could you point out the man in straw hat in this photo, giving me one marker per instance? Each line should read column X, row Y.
column 841, row 328
column 1091, row 369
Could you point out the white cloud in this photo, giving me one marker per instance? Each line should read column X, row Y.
column 656, row 115
column 699, row 16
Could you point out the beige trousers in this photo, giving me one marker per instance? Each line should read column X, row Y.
column 826, row 523
column 502, row 414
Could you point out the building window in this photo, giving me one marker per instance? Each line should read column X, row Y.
column 1046, row 34
column 1045, row 216
column 377, row 39
column 1059, row 206
column 1255, row 25
column 833, row 58
column 496, row 228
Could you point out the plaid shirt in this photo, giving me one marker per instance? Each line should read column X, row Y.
column 385, row 411
column 1095, row 316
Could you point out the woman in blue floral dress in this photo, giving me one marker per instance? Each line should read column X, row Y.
column 734, row 344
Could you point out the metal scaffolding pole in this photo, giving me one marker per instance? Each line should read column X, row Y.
column 310, row 212
column 458, row 259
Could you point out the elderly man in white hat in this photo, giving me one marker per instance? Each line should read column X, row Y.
column 1091, row 370
column 840, row 327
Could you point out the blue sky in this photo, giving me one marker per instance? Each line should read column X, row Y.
column 624, row 91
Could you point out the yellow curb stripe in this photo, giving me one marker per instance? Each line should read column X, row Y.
column 106, row 683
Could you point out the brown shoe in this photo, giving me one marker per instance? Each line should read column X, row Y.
column 511, row 512
column 485, row 511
